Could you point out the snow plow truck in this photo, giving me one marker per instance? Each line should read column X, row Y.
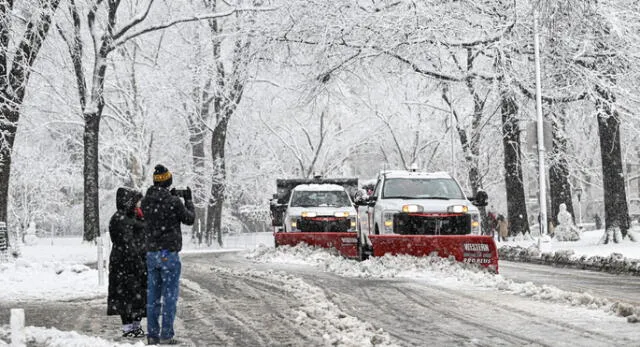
column 319, row 212
column 407, row 212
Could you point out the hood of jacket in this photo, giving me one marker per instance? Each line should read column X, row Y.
column 126, row 199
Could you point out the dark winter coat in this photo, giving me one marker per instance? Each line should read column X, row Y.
column 127, row 262
column 163, row 214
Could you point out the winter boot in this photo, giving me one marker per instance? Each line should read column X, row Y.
column 137, row 330
column 127, row 330
column 170, row 341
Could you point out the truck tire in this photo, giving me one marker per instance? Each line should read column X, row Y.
column 363, row 251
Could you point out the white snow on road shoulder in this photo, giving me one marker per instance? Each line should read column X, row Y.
column 24, row 280
column 52, row 270
column 435, row 270
column 52, row 337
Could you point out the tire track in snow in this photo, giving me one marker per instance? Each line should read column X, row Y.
column 292, row 309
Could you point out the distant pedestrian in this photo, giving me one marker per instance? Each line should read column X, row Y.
column 127, row 263
column 503, row 228
column 164, row 213
column 492, row 223
column 552, row 227
column 598, row 221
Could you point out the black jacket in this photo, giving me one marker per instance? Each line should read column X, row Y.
column 127, row 261
column 163, row 214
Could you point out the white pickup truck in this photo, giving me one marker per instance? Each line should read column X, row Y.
column 419, row 203
column 320, row 208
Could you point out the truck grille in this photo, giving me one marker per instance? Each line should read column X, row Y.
column 324, row 224
column 431, row 223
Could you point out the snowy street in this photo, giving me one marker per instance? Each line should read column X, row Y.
column 302, row 296
column 415, row 312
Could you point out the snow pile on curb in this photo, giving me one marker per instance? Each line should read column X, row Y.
column 52, row 337
column 439, row 271
column 319, row 314
column 614, row 263
column 27, row 280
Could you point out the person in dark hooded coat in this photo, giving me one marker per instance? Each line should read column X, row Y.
column 127, row 263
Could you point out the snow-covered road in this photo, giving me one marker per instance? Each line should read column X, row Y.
column 235, row 301
column 623, row 288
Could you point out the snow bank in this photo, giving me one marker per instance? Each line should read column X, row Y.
column 27, row 280
column 52, row 337
column 436, row 270
column 613, row 263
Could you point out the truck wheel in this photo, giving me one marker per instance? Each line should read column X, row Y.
column 363, row 252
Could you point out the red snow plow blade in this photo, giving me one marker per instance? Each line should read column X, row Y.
column 464, row 248
column 345, row 242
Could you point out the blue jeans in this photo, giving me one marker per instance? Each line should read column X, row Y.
column 163, row 283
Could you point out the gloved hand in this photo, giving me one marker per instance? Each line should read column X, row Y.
column 187, row 194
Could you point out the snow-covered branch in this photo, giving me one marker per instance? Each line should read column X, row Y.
column 120, row 41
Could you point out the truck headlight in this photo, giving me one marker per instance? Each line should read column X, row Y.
column 387, row 220
column 341, row 214
column 293, row 222
column 309, row 214
column 475, row 224
column 458, row 209
column 412, row 208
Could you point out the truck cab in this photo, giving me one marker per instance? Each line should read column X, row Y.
column 320, row 208
column 419, row 203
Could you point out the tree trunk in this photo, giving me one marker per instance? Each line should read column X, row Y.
column 199, row 196
column 616, row 210
column 8, row 127
column 15, row 70
column 559, row 186
column 91, row 200
column 214, row 213
column 516, row 204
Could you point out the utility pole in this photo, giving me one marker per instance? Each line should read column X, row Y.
column 540, row 130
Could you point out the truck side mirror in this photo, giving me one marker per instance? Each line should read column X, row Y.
column 481, row 198
column 372, row 201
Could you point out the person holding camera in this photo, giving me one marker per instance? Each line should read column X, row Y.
column 164, row 213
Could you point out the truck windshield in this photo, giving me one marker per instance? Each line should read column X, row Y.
column 421, row 188
column 312, row 198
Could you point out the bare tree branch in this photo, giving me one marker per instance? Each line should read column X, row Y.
column 135, row 21
column 124, row 39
